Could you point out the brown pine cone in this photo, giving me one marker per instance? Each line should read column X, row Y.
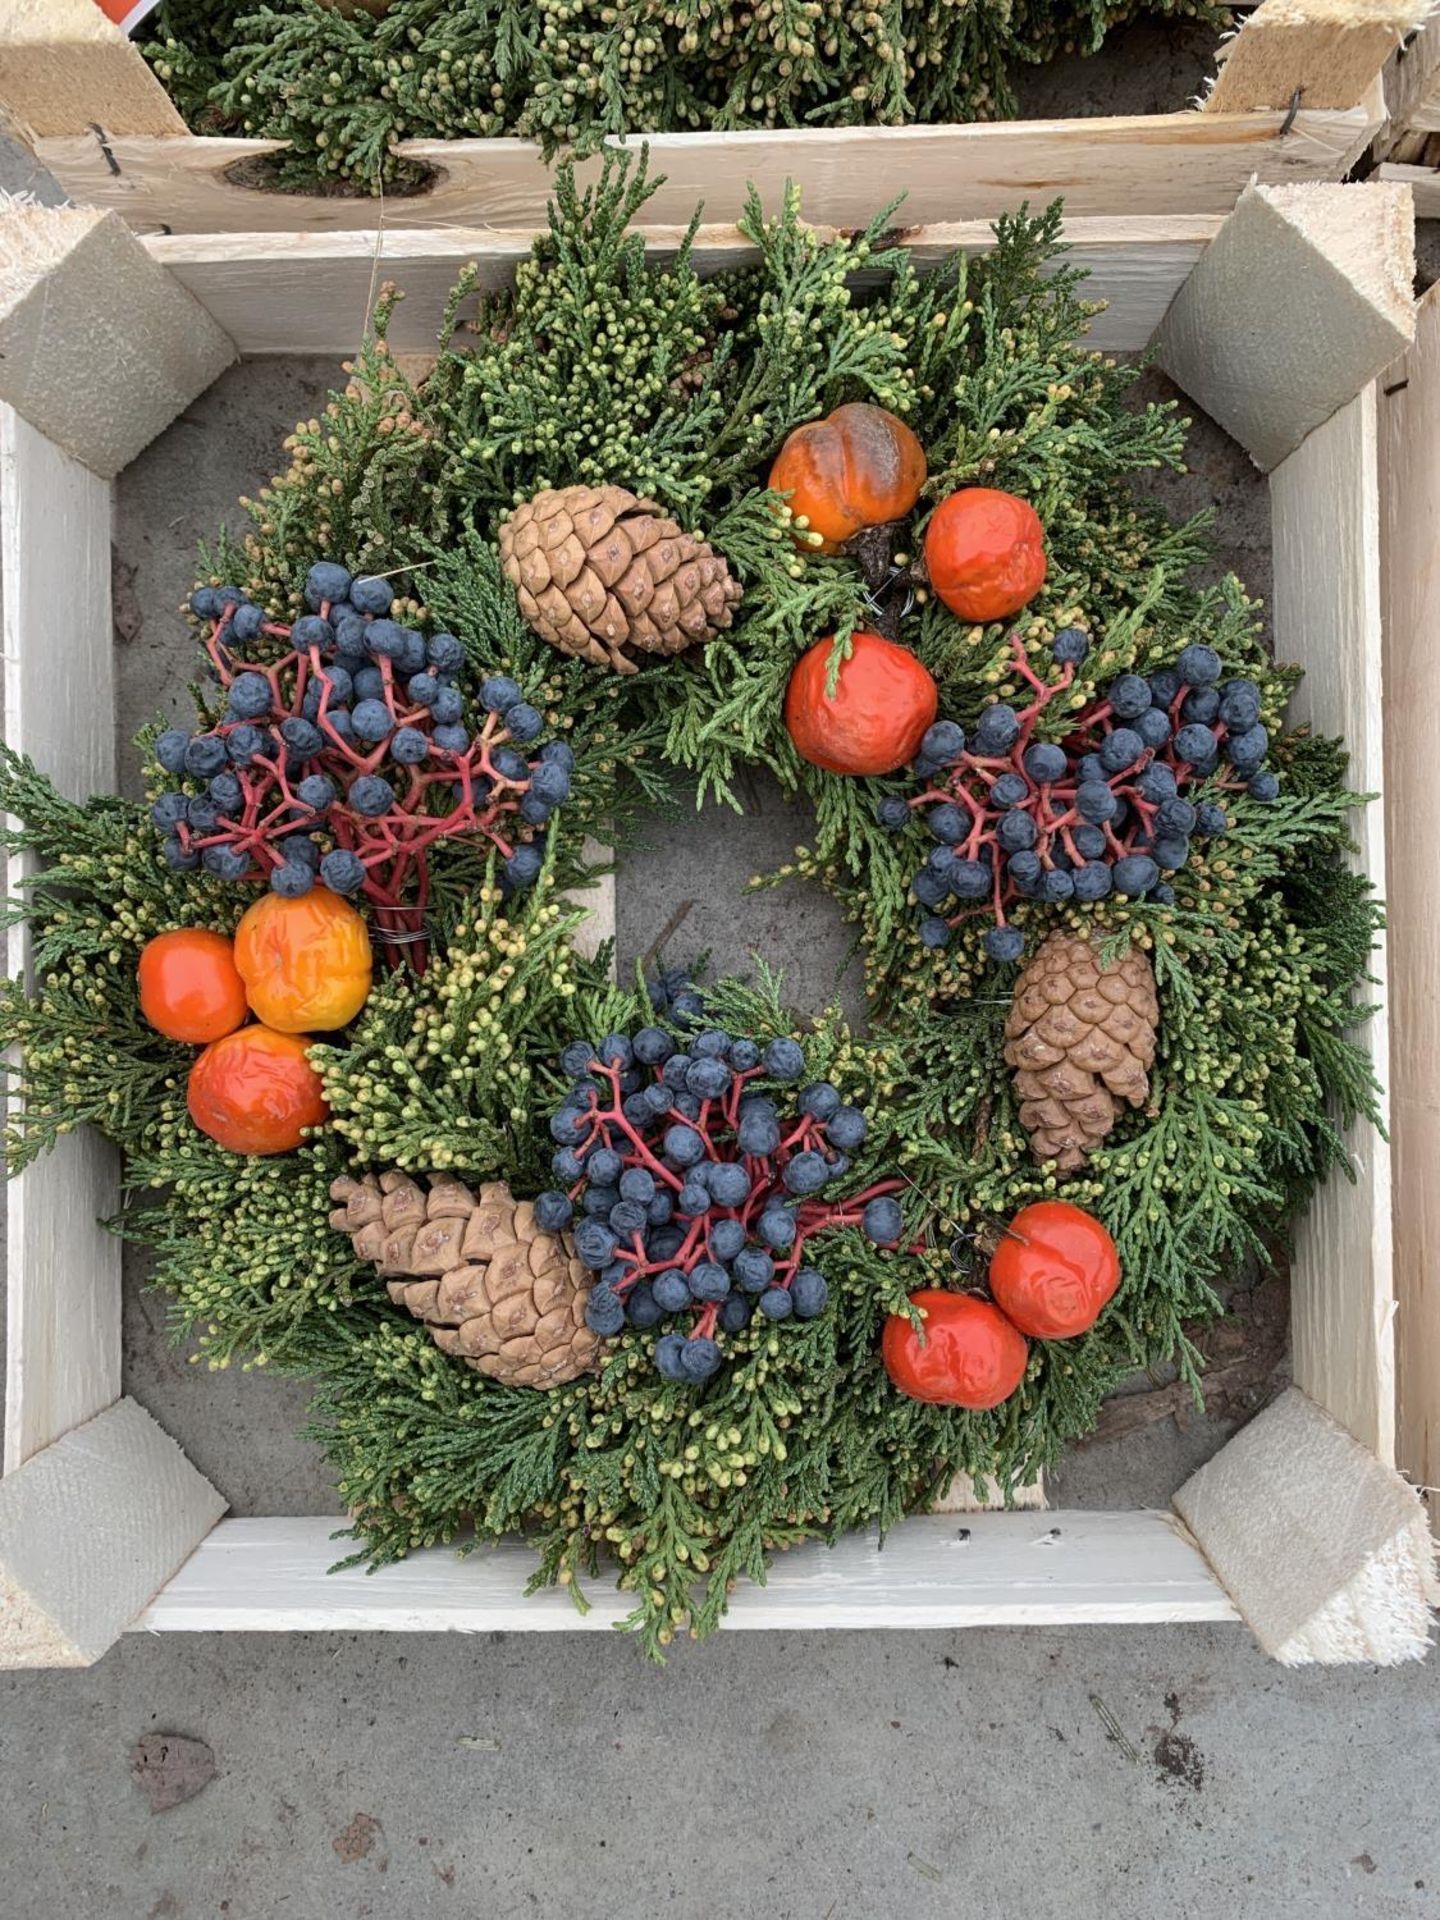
column 493, row 1288
column 1081, row 1038
column 603, row 575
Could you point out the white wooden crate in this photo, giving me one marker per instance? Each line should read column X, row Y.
column 1285, row 321
column 1296, row 97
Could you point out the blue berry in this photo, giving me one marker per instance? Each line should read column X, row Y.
column 311, row 631
column 205, row 604
column 522, row 869
column 1121, row 749
column 452, row 739
column 317, row 792
column 595, row 1243
column 819, row 1099
column 652, row 1046
column 997, row 731
column 1045, row 763
column 243, row 743
column 1240, row 705
column 1134, row 875
column 499, row 693
column 576, row 1057
column 604, row 1311
column 180, row 858
column 1092, row 881
column 943, row 743
column 744, row 1055
column 1246, row 750
column 513, row 765
column 1175, row 816
column 675, row 1069
column 170, row 749
column 1004, row 943
column 350, row 632
column 754, row 1269
column 642, row 1309
column 808, row 1293
column 1129, row 696
column 1164, row 685
column 806, row 1173
column 225, row 790
column 1090, row 842
column 1156, row 784
column 669, row 1356
column 1196, row 746
column 292, row 879
column 1070, row 646
column 558, row 753
column 444, row 653
column 169, row 810
column 1009, row 791
column 684, row 1146
column 693, row 1198
column 883, row 1222
column 447, row 707
column 730, row 1184
column 522, row 721
column 699, row 1358
column 605, row 1167
column 784, row 1059
column 410, row 746
column 708, row 1282
column 672, row 1290
column 627, row 1217
column 935, row 933
column 302, row 736
column 372, row 721
column 1095, row 802
column 386, row 640
column 777, row 1227
column 1056, row 886
column 567, row 1126
column 411, row 657
column 300, row 847
column 421, row 689
column 615, row 1050
column 893, row 812
column 1162, row 895
column 368, row 683
column 1199, row 666
column 1153, row 727
column 727, row 1237
column 1170, row 851
column 846, row 1129
column 205, row 755
column 947, row 823
column 250, row 696
column 735, row 1313
column 776, row 1304
column 326, row 580
column 1026, row 870
column 1201, row 708
column 201, row 814
column 371, row 795
column 551, row 784
column 1264, row 786
column 1016, row 832
column 758, row 1135
column 226, row 863
column 930, row 888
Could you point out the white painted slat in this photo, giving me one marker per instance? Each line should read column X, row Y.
column 90, row 1529
column 1408, row 405
column 63, row 1271
column 989, row 1569
column 1325, row 517
column 260, row 286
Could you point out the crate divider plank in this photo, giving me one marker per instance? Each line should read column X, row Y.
column 62, row 1348
column 1408, row 405
column 940, row 1570
column 262, row 283
column 979, row 1569
column 112, row 139
column 1423, row 182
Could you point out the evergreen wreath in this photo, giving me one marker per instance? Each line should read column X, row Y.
column 343, row 85
column 683, row 390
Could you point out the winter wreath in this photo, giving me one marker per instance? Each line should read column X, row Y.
column 649, row 1271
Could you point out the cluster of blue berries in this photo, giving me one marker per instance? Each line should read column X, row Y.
column 347, row 757
column 1109, row 811
column 690, row 1192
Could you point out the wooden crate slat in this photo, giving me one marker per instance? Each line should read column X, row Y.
column 62, row 1269
column 65, row 67
column 90, row 1530
column 1181, row 163
column 1423, row 182
column 258, row 285
column 1408, row 406
column 1325, row 517
column 1301, row 301
column 985, row 1569
column 1327, row 51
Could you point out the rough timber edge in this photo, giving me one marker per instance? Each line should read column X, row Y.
column 98, row 119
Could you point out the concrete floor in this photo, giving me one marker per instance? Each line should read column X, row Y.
column 1143, row 1773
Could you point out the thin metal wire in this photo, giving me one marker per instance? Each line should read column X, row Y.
column 398, row 937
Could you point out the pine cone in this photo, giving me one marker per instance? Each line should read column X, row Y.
column 602, row 574
column 492, row 1287
column 1081, row 1038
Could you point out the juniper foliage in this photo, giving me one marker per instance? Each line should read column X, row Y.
column 343, row 87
